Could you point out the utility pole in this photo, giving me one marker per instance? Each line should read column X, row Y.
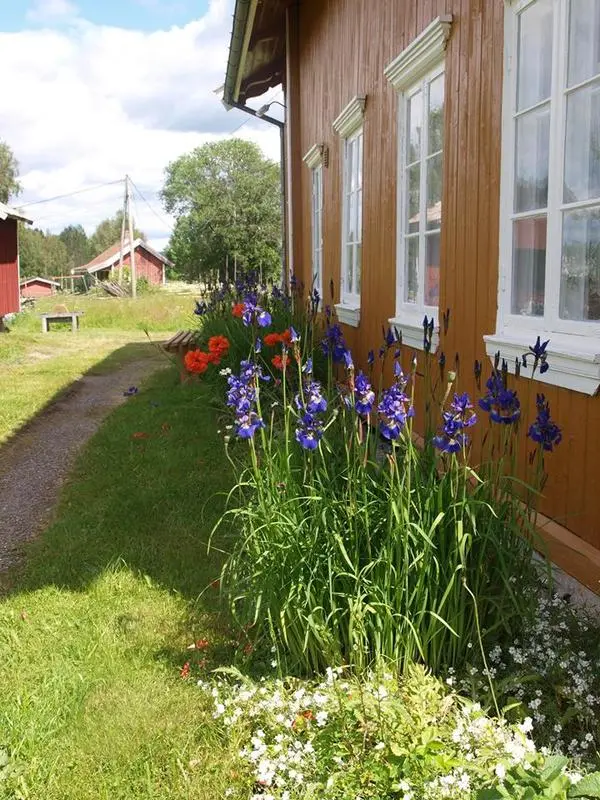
column 131, row 242
column 123, row 232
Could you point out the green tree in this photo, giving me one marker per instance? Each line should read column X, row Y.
column 108, row 233
column 226, row 199
column 41, row 253
column 78, row 247
column 9, row 173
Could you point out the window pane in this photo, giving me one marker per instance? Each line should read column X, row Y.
column 359, row 216
column 529, row 266
column 435, row 122
column 434, row 192
column 582, row 156
column 414, row 127
column 535, row 54
column 413, row 190
column 349, row 268
column 357, row 265
column 584, row 40
column 411, row 282
column 351, row 225
column 533, row 147
column 580, row 273
column 359, row 160
column 432, row 270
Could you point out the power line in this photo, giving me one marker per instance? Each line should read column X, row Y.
column 250, row 117
column 156, row 214
column 71, row 194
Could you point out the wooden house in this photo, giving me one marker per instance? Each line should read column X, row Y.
column 149, row 263
column 10, row 301
column 38, row 287
column 444, row 154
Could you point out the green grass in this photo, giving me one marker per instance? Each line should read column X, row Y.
column 158, row 311
column 95, row 628
column 36, row 366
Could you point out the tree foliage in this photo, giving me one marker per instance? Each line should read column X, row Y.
column 108, row 233
column 78, row 246
column 40, row 253
column 9, row 173
column 226, row 199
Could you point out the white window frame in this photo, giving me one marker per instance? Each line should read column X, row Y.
column 349, row 126
column 413, row 69
column 314, row 161
column 574, row 349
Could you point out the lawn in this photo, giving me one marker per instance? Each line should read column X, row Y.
column 36, row 366
column 95, row 630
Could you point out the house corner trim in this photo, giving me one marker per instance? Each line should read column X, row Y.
column 314, row 156
column 421, row 54
column 351, row 117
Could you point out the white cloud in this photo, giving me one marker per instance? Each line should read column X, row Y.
column 51, row 10
column 86, row 104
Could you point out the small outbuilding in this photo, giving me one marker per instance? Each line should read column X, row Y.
column 38, row 287
column 10, row 300
column 149, row 263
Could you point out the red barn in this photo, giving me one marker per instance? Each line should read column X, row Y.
column 10, row 301
column 149, row 263
column 38, row 287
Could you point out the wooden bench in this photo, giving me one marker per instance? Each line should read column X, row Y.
column 60, row 316
column 180, row 344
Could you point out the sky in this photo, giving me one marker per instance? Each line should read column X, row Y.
column 96, row 89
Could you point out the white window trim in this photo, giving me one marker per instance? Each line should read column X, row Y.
column 574, row 349
column 314, row 161
column 348, row 124
column 423, row 56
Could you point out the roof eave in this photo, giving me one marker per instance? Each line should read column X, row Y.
column 243, row 19
column 6, row 212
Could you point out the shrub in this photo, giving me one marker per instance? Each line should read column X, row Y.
column 358, row 545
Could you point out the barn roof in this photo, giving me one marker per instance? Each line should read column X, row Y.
column 257, row 50
column 25, row 281
column 112, row 255
column 6, row 212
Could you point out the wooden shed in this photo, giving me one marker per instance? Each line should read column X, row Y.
column 38, row 287
column 443, row 154
column 149, row 263
column 10, row 301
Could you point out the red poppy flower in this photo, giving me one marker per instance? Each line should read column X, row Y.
column 185, row 670
column 196, row 361
column 218, row 345
column 280, row 362
column 286, row 338
column 202, row 644
column 238, row 309
column 214, row 358
column 272, row 339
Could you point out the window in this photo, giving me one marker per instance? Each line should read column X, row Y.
column 314, row 160
column 550, row 226
column 349, row 126
column 418, row 75
column 317, row 228
column 420, row 195
column 352, row 221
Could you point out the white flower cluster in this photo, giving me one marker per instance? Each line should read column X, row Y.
column 549, row 650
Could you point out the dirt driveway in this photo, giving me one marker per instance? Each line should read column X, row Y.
column 35, row 463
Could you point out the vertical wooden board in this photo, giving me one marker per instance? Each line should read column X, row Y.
column 590, row 528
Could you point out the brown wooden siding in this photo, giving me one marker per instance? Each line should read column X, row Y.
column 344, row 46
column 9, row 271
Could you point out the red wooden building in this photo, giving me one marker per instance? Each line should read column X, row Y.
column 10, row 301
column 149, row 263
column 443, row 154
column 38, row 287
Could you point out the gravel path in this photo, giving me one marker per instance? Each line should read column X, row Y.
column 35, row 463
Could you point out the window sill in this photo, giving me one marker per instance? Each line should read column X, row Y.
column 574, row 360
column 412, row 333
column 348, row 314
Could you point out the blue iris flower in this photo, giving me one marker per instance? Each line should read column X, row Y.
column 371, row 358
column 294, row 335
column 309, row 432
column 543, row 430
column 540, row 355
column 364, row 396
column 394, row 411
column 460, row 415
column 500, row 403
